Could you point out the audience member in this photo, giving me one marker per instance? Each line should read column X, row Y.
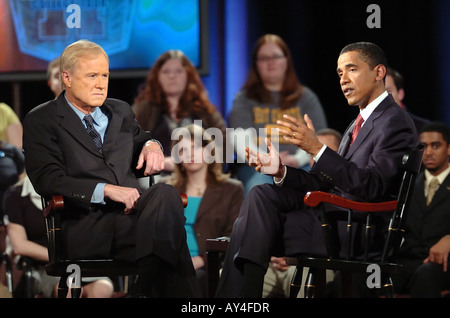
column 329, row 137
column 174, row 96
column 53, row 77
column 395, row 86
column 26, row 230
column 426, row 247
column 271, row 90
column 214, row 198
column 278, row 276
column 94, row 170
column 11, row 169
column 10, row 126
column 273, row 221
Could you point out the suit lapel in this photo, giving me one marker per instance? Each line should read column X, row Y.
column 115, row 121
column 442, row 192
column 346, row 139
column 419, row 191
column 369, row 124
column 73, row 125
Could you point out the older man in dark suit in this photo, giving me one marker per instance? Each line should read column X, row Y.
column 87, row 147
column 273, row 220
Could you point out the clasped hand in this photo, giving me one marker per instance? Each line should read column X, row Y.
column 153, row 158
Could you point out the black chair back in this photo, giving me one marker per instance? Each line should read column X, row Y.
column 352, row 261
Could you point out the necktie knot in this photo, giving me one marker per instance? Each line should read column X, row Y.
column 93, row 132
column 89, row 119
column 357, row 127
column 432, row 188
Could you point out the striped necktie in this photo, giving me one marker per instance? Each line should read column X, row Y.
column 93, row 133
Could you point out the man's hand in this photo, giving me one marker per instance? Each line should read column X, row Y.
column 439, row 252
column 153, row 156
column 269, row 164
column 303, row 135
column 279, row 263
column 127, row 196
column 288, row 159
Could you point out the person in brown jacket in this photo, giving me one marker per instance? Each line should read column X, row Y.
column 214, row 198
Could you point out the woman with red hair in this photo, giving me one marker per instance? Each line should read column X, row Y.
column 174, row 96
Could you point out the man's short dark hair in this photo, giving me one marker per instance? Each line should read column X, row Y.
column 439, row 127
column 370, row 53
column 397, row 77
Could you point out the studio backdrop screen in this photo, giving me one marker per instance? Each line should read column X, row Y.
column 132, row 32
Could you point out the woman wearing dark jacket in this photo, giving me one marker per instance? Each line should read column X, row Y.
column 214, row 199
column 174, row 96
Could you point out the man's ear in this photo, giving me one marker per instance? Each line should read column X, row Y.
column 380, row 71
column 66, row 78
column 401, row 94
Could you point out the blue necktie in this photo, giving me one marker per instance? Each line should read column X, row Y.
column 93, row 133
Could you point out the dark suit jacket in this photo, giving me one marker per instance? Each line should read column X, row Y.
column 419, row 122
column 370, row 169
column 61, row 158
column 426, row 225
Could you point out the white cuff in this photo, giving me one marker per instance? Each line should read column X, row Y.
column 317, row 157
column 280, row 182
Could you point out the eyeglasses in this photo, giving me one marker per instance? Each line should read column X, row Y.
column 275, row 57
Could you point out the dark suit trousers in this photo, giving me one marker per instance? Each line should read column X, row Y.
column 157, row 228
column 421, row 280
column 272, row 222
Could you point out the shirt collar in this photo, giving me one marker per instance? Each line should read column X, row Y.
column 367, row 111
column 96, row 114
column 441, row 177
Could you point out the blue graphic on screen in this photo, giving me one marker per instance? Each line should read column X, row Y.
column 132, row 32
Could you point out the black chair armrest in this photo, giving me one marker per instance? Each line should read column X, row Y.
column 56, row 202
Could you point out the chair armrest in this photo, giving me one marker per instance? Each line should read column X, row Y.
column 314, row 198
column 56, row 202
column 184, row 199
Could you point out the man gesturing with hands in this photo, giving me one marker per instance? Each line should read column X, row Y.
column 273, row 220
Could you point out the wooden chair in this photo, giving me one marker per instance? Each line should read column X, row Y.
column 397, row 209
column 58, row 264
column 215, row 248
